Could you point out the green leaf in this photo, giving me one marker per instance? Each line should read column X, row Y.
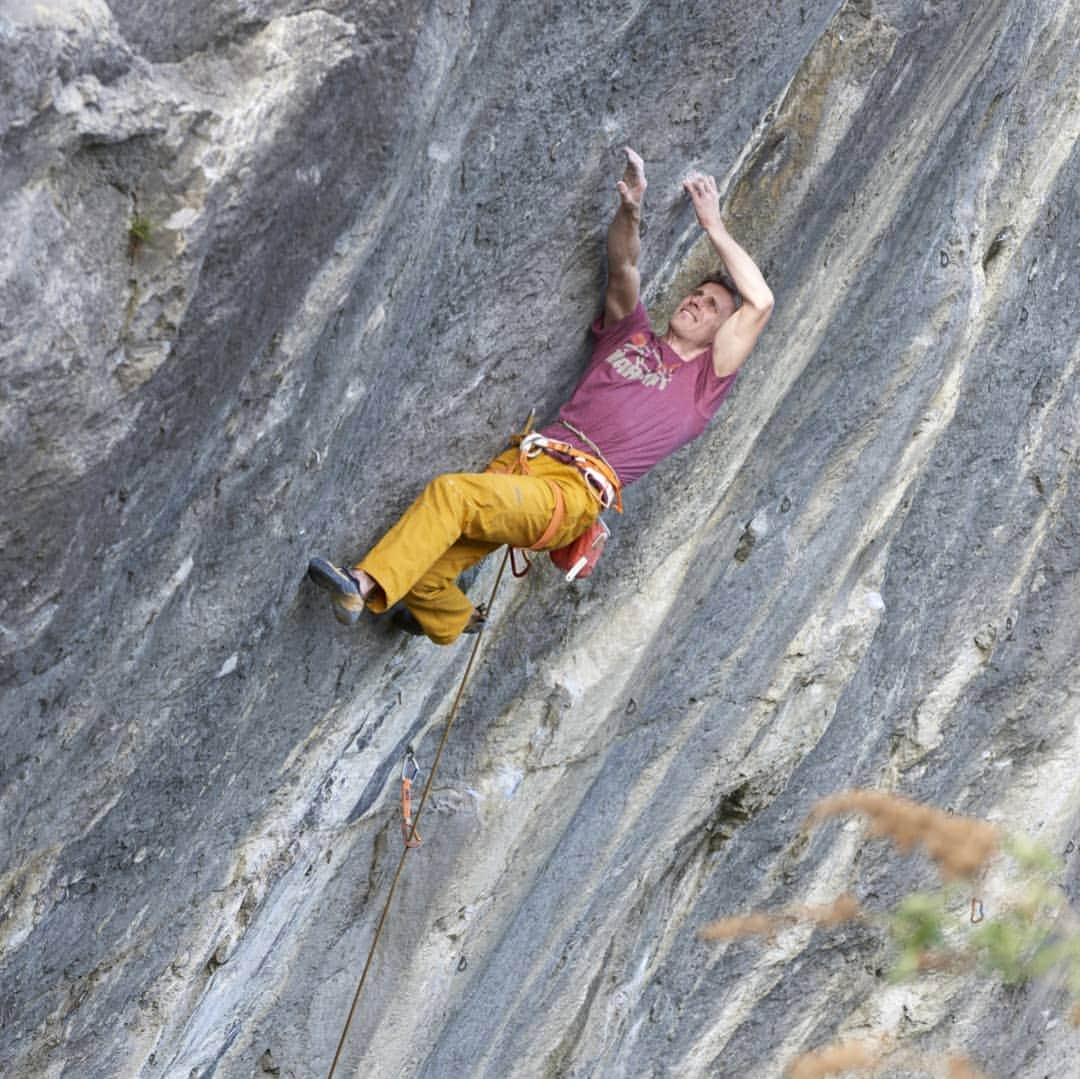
column 917, row 921
column 1010, row 944
column 140, row 228
column 1032, row 856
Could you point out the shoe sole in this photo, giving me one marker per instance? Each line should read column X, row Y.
column 345, row 597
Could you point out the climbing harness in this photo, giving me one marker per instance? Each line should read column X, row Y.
column 578, row 433
column 412, row 839
column 578, row 558
column 409, row 771
column 598, row 475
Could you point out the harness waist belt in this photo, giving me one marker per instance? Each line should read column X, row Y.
column 596, row 472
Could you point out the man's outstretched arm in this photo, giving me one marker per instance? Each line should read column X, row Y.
column 624, row 242
column 737, row 336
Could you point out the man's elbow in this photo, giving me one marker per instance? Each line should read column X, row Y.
column 624, row 280
column 624, row 272
column 761, row 305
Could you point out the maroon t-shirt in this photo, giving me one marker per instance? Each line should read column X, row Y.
column 638, row 400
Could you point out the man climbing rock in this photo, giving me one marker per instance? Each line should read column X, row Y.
column 642, row 397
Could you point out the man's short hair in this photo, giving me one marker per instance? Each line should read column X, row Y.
column 722, row 279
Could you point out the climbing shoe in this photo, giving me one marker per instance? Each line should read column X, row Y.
column 406, row 621
column 345, row 596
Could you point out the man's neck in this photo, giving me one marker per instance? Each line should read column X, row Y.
column 684, row 349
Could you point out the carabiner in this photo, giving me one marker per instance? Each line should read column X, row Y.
column 412, row 838
column 532, row 444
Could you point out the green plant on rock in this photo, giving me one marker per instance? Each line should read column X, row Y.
column 917, row 928
column 139, row 231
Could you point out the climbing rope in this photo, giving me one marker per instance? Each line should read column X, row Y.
column 412, row 840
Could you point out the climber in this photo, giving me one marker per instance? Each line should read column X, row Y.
column 641, row 398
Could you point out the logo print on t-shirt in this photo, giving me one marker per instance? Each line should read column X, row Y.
column 640, row 361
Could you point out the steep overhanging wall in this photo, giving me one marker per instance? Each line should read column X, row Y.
column 265, row 269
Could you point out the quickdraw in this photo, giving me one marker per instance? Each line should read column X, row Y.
column 520, row 562
column 409, row 771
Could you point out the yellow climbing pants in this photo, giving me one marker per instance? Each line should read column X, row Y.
column 459, row 519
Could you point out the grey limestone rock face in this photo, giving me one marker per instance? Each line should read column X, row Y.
column 266, row 267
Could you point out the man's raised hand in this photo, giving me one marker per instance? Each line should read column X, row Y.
column 624, row 242
column 706, row 199
column 632, row 186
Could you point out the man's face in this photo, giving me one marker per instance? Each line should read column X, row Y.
column 702, row 313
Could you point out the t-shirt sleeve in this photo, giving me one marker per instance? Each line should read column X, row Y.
column 711, row 388
column 607, row 338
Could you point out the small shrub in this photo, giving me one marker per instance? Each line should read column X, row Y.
column 139, row 231
column 140, row 228
column 1033, row 933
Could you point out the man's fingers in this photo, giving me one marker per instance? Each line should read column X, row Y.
column 699, row 185
column 635, row 168
column 627, row 196
column 700, row 178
